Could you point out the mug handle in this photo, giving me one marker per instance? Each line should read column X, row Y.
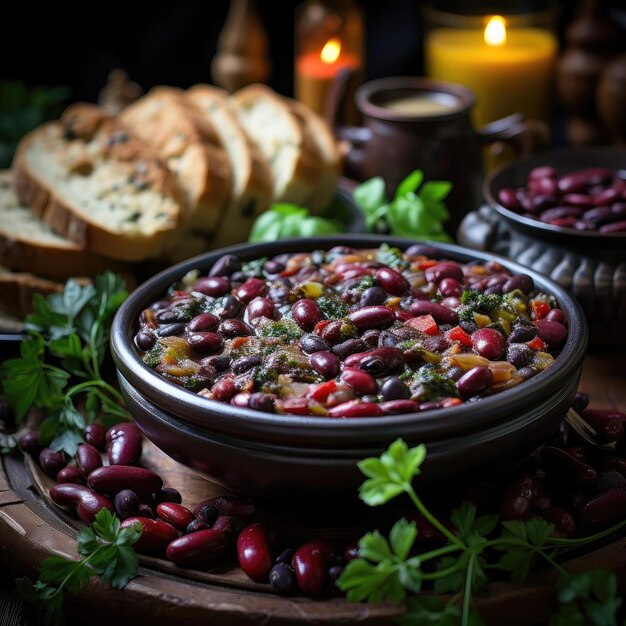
column 525, row 136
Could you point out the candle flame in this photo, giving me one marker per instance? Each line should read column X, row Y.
column 330, row 51
column 495, row 31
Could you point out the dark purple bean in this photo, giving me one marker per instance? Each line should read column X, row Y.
column 254, row 552
column 619, row 210
column 615, row 227
column 227, row 307
column 553, row 333
column 394, row 389
column 84, row 500
column 251, row 289
column 488, row 343
column 177, row 515
column 52, row 462
column 450, row 288
column 206, row 513
column 518, row 355
column 195, row 526
column 599, row 216
column 170, row 330
column 474, row 381
column 87, row 459
column 522, row 334
column 306, row 313
column 444, row 269
column 421, row 249
column 171, row 315
column 560, row 212
column 547, row 187
column 112, row 479
column 440, row 313
column 395, row 407
column 199, row 547
column 234, row 328
column 382, row 361
column 542, row 202
column 362, row 382
column 580, row 402
column 124, row 443
column 325, row 363
column 168, row 494
column 334, row 572
column 283, row 578
column 233, row 506
column 567, row 464
column 508, row 199
column 573, row 183
column 262, row 402
column 313, row 343
column 370, row 337
column 225, row 266
column 373, row 296
column 580, row 200
column 214, row 286
column 203, row 322
column 609, row 480
column 205, row 343
column 245, row 363
column 392, row 281
column 604, row 509
column 527, row 373
column 96, row 435
column 28, row 443
column 145, row 510
column 145, row 339
column 555, row 315
column 260, row 307
column 70, row 474
column 126, row 504
column 518, row 497
column 388, row 339
column 273, row 267
column 523, row 282
column 350, row 346
column 285, row 556
column 156, row 534
column 607, row 197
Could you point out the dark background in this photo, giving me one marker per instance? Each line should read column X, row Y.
column 173, row 43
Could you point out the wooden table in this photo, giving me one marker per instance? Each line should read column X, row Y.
column 31, row 529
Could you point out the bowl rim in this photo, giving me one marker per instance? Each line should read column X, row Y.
column 522, row 166
column 218, row 416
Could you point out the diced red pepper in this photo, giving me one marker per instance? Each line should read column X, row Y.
column 448, row 402
column 298, row 406
column 320, row 326
column 536, row 344
column 402, row 316
column 320, row 392
column 424, row 323
column 458, row 334
column 424, row 265
column 539, row 308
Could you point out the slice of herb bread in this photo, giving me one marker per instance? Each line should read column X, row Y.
column 17, row 290
column 94, row 182
column 251, row 190
column 28, row 244
column 192, row 148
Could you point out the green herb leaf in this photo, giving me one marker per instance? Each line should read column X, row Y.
column 409, row 184
column 370, row 195
column 290, row 220
column 434, row 611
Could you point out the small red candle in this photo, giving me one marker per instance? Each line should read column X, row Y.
column 315, row 72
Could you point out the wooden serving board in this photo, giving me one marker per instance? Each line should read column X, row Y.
column 32, row 528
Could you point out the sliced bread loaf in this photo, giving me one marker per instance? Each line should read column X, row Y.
column 17, row 290
column 97, row 184
column 251, row 174
column 28, row 244
column 294, row 157
column 190, row 144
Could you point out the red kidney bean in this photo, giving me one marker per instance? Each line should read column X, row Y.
column 372, row 317
column 443, row 269
column 124, row 443
column 196, row 525
column 560, row 212
column 52, row 462
column 579, row 200
column 313, row 343
column 599, row 216
column 555, row 315
column 229, row 505
column 518, row 497
column 28, row 443
column 547, row 186
column 156, row 535
column 126, row 504
column 394, row 389
column 87, row 459
column 228, row 307
column 355, row 408
column 607, row 197
column 254, row 552
column 262, row 402
column 203, row 322
column 523, row 282
column 564, row 222
column 544, row 171
column 213, row 286
column 325, row 363
column 310, row 563
column 563, row 520
column 70, row 474
column 231, row 526
column 260, row 307
column 392, row 281
column 251, row 289
column 450, row 288
column 615, row 227
column 306, row 313
column 360, row 381
column 225, row 266
column 373, row 296
column 381, row 361
column 553, row 333
column 177, row 515
column 95, row 434
column 224, row 389
column 84, row 500
column 395, row 407
column 563, row 461
column 199, row 547
column 603, row 509
column 474, row 381
column 205, row 343
column 206, row 513
column 508, row 199
column 114, row 478
column 488, row 343
column 439, row 312
column 350, row 346
column 609, row 427
column 573, row 183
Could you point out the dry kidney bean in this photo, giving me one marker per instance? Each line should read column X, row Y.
column 84, row 500
column 355, row 408
column 87, row 459
column 203, row 322
column 283, row 578
column 52, row 462
column 260, row 307
column 126, row 504
column 28, row 443
column 325, row 363
column 123, row 444
column 95, row 434
column 553, row 333
column 392, row 281
column 114, row 478
column 488, row 343
column 156, row 534
column 372, row 317
column 360, row 381
column 313, row 343
column 251, row 289
column 562, row 461
column 231, row 526
column 206, row 342
column 213, row 286
column 70, row 474
column 310, row 564
column 444, row 269
column 198, row 547
column 254, row 552
column 235, row 506
column 518, row 497
column 440, row 313
column 563, row 520
column 177, row 515
column 306, row 313
column 382, row 361
column 603, row 509
column 474, row 381
column 394, row 407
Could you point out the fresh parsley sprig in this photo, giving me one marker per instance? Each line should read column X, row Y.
column 108, row 553
column 388, row 569
column 67, row 343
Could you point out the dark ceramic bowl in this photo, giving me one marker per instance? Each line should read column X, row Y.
column 590, row 265
column 261, row 454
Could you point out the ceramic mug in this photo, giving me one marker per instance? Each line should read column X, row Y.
column 438, row 139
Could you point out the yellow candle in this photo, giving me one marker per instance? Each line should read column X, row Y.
column 508, row 72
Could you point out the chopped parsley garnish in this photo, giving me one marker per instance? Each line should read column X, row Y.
column 254, row 269
column 153, row 357
column 285, row 329
column 392, row 257
column 475, row 302
column 332, row 309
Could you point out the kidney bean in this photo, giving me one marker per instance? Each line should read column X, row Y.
column 70, row 474
column 518, row 497
column 544, row 171
column 156, row 534
column 306, row 313
column 251, row 289
column 177, row 515
column 603, row 509
column 260, row 307
column 325, row 363
column 283, row 578
column 579, row 200
column 310, row 564
column 421, row 249
column 360, row 381
column 609, row 480
column 580, row 402
column 563, row 520
column 87, row 459
column 213, row 286
column 607, row 197
column 523, row 282
column 114, row 478
column 196, row 525
column 245, row 363
column 450, row 288
column 254, row 552
column 609, row 426
column 145, row 339
column 123, row 444
column 372, row 317
column 225, row 266
column 52, row 462
column 231, row 526
column 560, row 212
column 350, row 346
column 84, row 500
column 381, row 361
column 198, row 547
column 95, row 434
column 392, row 281
column 229, row 505
column 203, row 322
column 553, row 333
column 228, row 307
column 28, row 443
column 555, row 315
column 394, row 407
column 508, row 199
column 126, row 504
column 355, row 408
column 443, row 269
column 619, row 210
column 615, row 227
column 488, row 343
column 373, row 296
column 474, row 381
column 224, row 389
column 439, row 312
column 565, row 462
column 206, row 342
column 171, row 329
column 262, row 402
column 394, row 389
column 168, row 494
column 313, row 343
column 522, row 334
column 518, row 355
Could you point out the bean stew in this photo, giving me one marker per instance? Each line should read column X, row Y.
column 351, row 332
